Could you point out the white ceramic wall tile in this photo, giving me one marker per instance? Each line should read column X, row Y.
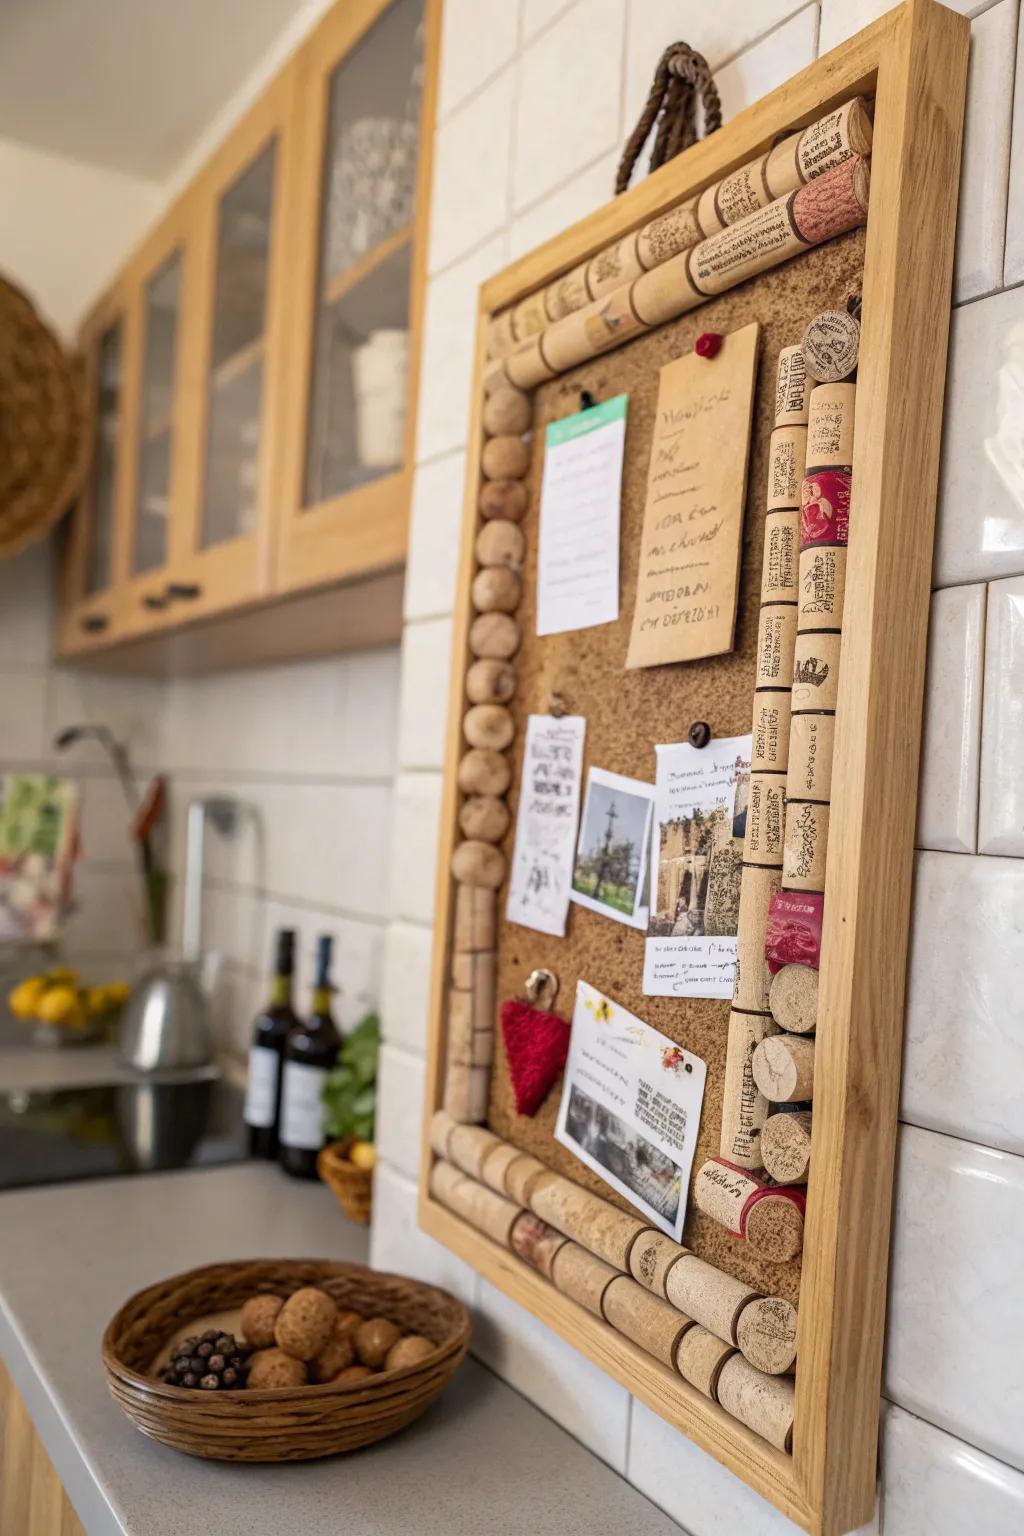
column 985, row 170
column 24, row 734
column 366, row 742
column 132, row 707
column 423, row 714
column 234, row 926
column 400, row 1109
column 541, row 13
column 947, row 812
column 557, row 1378
column 107, row 914
column 414, row 846
column 478, row 37
column 435, row 526
column 104, row 817
column 449, row 331
column 238, row 995
column 963, row 1059
column 1001, row 808
column 471, row 162
column 398, row 1244
column 840, row 19
column 408, row 952
column 980, row 532
column 934, row 1483
column 955, row 1347
column 758, row 70
column 1013, row 262
column 570, row 91
column 26, row 606
column 584, row 192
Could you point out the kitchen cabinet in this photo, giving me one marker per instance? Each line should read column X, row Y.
column 252, row 374
column 32, row 1498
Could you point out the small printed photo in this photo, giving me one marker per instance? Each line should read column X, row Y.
column 635, row 1164
column 696, row 886
column 610, row 870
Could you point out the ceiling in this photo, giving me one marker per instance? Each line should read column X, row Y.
column 130, row 84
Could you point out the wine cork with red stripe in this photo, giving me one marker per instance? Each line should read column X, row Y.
column 769, row 1217
column 536, row 1243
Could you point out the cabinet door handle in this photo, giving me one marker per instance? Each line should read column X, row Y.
column 94, row 623
column 183, row 589
column 155, row 600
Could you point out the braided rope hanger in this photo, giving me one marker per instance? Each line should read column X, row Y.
column 682, row 77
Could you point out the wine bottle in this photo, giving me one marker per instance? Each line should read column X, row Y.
column 270, row 1031
column 310, row 1052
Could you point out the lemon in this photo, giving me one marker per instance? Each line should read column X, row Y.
column 58, row 1005
column 363, row 1154
column 62, row 975
column 24, row 999
column 118, row 992
column 96, row 1000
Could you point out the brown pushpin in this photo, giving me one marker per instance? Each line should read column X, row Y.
column 699, row 734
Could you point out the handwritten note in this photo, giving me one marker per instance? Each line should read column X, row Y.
column 580, row 499
column 693, row 517
column 549, row 804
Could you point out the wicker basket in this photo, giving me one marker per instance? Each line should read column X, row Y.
column 289, row 1424
column 352, row 1187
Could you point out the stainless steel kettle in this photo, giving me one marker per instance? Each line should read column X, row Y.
column 165, row 1025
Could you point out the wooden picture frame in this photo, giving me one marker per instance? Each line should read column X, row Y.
column 913, row 62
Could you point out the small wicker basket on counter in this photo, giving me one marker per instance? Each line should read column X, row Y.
column 285, row 1424
column 352, row 1187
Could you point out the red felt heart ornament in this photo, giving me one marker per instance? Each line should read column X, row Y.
column 536, row 1046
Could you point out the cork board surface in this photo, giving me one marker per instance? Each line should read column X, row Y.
column 627, row 713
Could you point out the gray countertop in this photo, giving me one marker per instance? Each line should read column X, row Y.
column 482, row 1460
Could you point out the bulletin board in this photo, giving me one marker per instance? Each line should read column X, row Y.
column 911, row 65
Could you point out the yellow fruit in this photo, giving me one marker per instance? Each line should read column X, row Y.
column 62, row 975
column 363, row 1154
column 24, row 999
column 57, row 1005
column 118, row 993
column 96, row 1000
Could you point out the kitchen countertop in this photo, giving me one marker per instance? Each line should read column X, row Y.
column 37, row 1069
column 482, row 1460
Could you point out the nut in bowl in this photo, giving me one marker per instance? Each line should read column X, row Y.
column 332, row 1356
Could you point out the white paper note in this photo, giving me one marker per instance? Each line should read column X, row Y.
column 549, row 806
column 580, row 503
column 630, row 1109
column 700, row 798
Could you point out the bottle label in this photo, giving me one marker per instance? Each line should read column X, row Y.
column 261, row 1097
column 302, row 1111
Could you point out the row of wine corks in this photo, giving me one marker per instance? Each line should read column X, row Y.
column 797, row 159
column 715, row 1367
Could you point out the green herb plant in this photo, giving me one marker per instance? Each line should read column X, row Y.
column 350, row 1092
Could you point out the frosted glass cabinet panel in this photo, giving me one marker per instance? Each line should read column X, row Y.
column 161, row 313
column 106, row 460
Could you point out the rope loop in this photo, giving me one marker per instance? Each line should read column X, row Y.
column 681, row 80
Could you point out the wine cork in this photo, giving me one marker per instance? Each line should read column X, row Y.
column 744, row 1106
column 740, row 193
column 766, row 812
column 816, row 669
column 494, row 636
column 507, row 411
column 468, row 1146
column 820, row 148
column 496, row 1165
column 774, row 1225
column 825, row 508
column 488, row 1212
column 784, row 1069
column 441, row 1127
column 526, row 366
column 484, row 772
column 529, row 317
column 488, row 725
column 649, row 1322
column 568, row 293
column 501, row 334
column 476, row 863
column 465, row 1098
column 616, row 264
column 603, row 324
column 479, row 1093
column 505, row 458
column 483, row 1047
column 483, row 991
column 769, row 1218
column 490, row 682
column 831, row 344
column 700, row 1358
column 786, row 1146
column 822, row 588
column 786, row 460
column 811, row 749
column 708, row 1295
column 830, row 427
column 494, row 376
column 651, row 1257
column 496, row 589
column 766, row 1334
column 581, row 1276
column 794, row 999
column 505, row 499
column 475, row 919
column 722, row 1192
column 586, row 1218
column 665, row 292
column 536, row 1243
column 776, row 637
column 501, row 542
column 459, row 1032
column 668, row 235
column 770, row 731
column 792, row 388
column 752, row 980
column 484, row 817
column 780, row 569
column 522, row 1174
column 763, row 1403
column 806, row 848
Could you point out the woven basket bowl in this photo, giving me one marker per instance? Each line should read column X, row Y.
column 352, row 1187
column 288, row 1424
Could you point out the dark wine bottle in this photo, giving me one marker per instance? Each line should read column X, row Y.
column 270, row 1031
column 310, row 1052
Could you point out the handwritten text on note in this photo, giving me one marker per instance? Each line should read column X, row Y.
column 693, row 517
column 549, row 805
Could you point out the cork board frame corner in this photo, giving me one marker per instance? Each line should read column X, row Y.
column 913, row 60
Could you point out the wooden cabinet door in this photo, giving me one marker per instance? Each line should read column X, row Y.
column 365, row 104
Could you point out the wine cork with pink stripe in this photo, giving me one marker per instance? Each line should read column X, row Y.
column 769, row 1216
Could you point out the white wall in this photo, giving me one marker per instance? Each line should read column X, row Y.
column 535, row 102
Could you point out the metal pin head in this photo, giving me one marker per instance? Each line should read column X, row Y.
column 541, row 988
column 699, row 734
